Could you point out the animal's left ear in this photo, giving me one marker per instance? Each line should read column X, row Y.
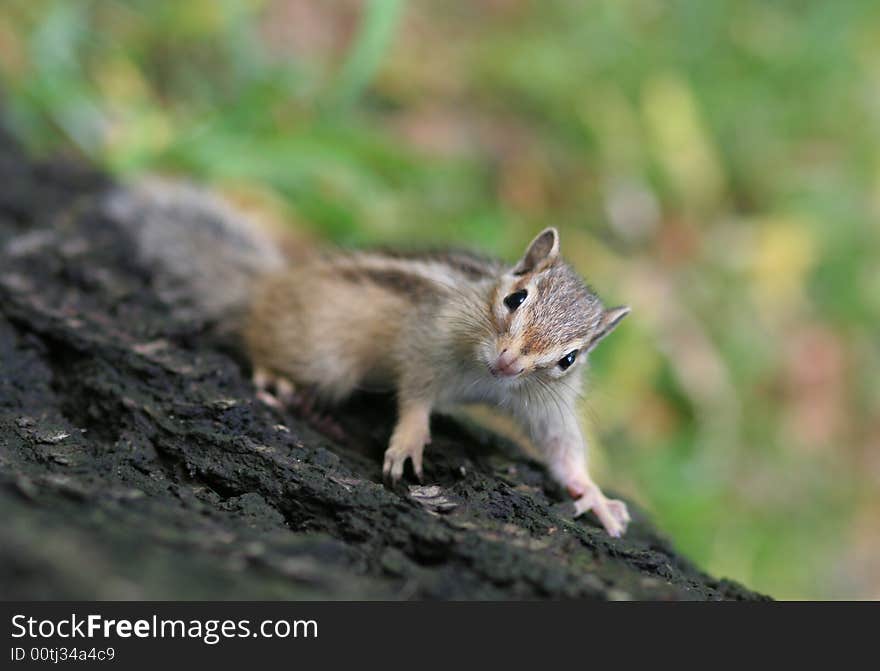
column 610, row 319
column 541, row 253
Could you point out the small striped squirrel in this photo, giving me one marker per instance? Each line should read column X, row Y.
column 440, row 329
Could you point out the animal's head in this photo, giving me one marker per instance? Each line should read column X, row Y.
column 544, row 316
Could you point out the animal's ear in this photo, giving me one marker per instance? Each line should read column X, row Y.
column 540, row 254
column 610, row 319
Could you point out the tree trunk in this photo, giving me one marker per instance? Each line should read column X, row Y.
column 136, row 463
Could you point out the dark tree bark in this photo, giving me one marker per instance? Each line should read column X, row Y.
column 135, row 461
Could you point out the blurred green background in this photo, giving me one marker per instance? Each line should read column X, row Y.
column 712, row 163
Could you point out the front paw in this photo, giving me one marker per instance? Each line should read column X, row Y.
column 395, row 459
column 612, row 513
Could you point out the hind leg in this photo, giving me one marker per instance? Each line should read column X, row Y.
column 279, row 392
column 274, row 390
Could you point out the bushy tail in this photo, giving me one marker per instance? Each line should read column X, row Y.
column 204, row 254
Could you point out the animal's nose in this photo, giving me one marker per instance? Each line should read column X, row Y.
column 508, row 364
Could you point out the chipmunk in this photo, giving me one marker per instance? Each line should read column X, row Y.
column 442, row 330
column 439, row 329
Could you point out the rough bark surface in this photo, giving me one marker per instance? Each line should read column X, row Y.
column 135, row 461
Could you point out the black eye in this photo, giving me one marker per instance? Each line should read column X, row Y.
column 568, row 359
column 515, row 299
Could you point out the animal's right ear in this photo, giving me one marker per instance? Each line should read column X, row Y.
column 540, row 254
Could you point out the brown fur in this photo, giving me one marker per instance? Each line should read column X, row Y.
column 324, row 326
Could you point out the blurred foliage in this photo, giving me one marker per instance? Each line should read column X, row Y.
column 712, row 162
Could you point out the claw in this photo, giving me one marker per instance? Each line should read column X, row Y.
column 612, row 513
column 407, row 442
column 395, row 460
column 272, row 390
column 386, row 471
column 268, row 399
